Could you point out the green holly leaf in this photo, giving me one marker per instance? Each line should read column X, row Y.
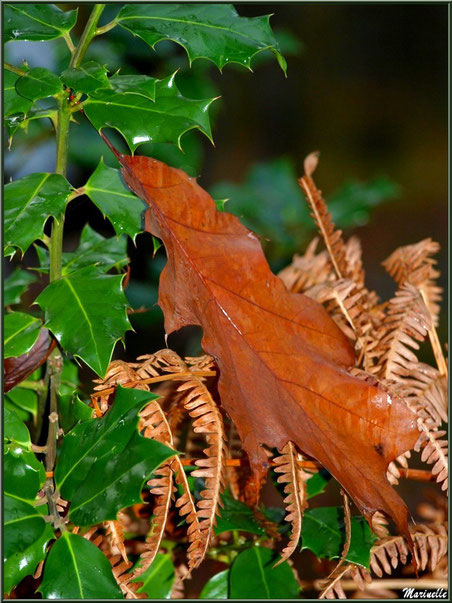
column 39, row 83
column 14, row 103
column 124, row 210
column 29, row 202
column 217, row 587
column 235, row 515
column 23, row 401
column 69, row 378
column 252, row 576
column 213, row 32
column 86, row 311
column 87, row 572
column 142, row 85
column 15, row 429
column 104, row 462
column 317, row 483
column 21, row 333
column 88, row 78
column 157, row 580
column 140, row 120
column 24, row 474
column 93, row 249
column 323, row 533
column 36, row 22
column 72, row 410
column 15, row 286
column 26, row 536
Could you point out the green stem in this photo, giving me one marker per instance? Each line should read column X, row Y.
column 55, row 361
column 14, row 69
column 105, row 28
column 88, row 34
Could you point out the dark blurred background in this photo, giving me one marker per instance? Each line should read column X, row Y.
column 366, row 85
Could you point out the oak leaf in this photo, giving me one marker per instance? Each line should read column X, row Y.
column 282, row 359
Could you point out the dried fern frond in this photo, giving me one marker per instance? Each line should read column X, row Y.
column 296, row 500
column 407, row 322
column 118, row 372
column 307, row 270
column 392, row 472
column 379, row 525
column 319, row 211
column 414, row 264
column 430, row 545
column 207, row 421
column 115, row 532
column 435, row 453
column 331, row 587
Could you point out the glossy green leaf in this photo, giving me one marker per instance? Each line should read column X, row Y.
column 124, row 210
column 26, row 536
column 214, row 32
column 39, row 83
column 14, row 103
column 29, row 202
column 20, row 333
column 140, row 120
column 86, row 311
column 157, row 580
column 24, row 474
column 317, row 483
column 236, row 515
column 24, row 399
column 36, row 22
column 217, row 587
column 93, row 249
column 104, row 462
column 142, row 85
column 88, row 78
column 69, row 378
column 72, row 410
column 77, row 569
column 15, row 429
column 21, row 414
column 15, row 286
column 252, row 576
column 323, row 533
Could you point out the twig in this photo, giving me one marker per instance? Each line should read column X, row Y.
column 15, row 70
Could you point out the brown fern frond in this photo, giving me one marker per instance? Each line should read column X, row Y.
column 379, row 525
column 307, row 270
column 435, row 453
column 115, row 533
column 207, row 421
column 118, row 372
column 181, row 573
column 407, row 322
column 296, row 500
column 331, row 587
column 319, row 211
column 430, row 545
column 392, row 472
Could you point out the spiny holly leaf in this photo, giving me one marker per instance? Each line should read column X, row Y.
column 21, row 333
column 29, row 202
column 104, row 462
column 142, row 85
column 14, row 103
column 323, row 533
column 23, row 400
column 36, row 22
column 105, row 188
column 87, row 573
column 15, row 429
column 217, row 587
column 88, row 78
column 24, row 474
column 252, row 576
column 93, row 249
column 235, row 515
column 39, row 83
column 140, row 120
column 213, row 32
column 72, row 410
column 15, row 286
column 157, row 580
column 26, row 536
column 86, row 311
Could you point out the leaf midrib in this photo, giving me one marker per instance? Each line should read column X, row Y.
column 35, row 192
column 16, row 333
column 14, row 7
